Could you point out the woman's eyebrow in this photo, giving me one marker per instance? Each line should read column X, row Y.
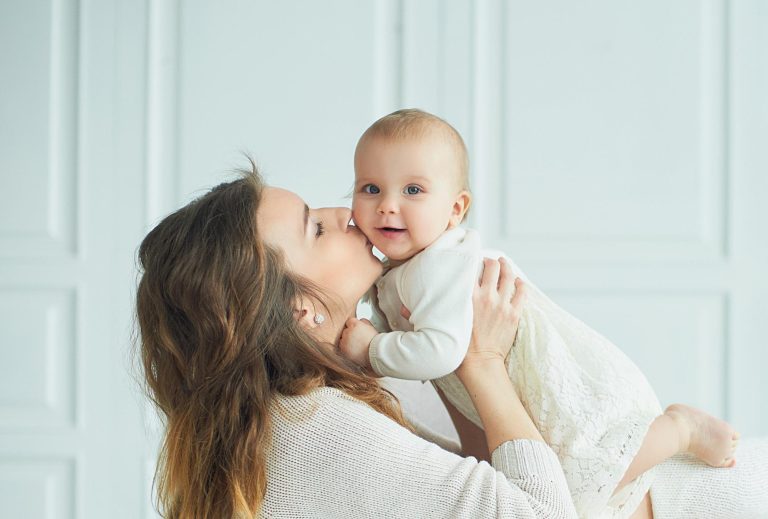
column 306, row 218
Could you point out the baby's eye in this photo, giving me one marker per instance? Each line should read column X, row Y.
column 412, row 190
column 371, row 189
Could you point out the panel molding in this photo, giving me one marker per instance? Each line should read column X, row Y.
column 438, row 60
column 485, row 144
column 162, row 110
column 388, row 57
column 52, row 486
column 57, row 406
column 61, row 236
column 707, row 244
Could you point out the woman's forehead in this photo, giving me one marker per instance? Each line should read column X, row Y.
column 276, row 201
column 281, row 213
column 281, row 196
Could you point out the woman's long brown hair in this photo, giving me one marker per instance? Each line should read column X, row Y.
column 218, row 340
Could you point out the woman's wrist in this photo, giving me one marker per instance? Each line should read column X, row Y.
column 480, row 366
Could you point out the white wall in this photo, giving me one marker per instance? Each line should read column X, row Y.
column 618, row 154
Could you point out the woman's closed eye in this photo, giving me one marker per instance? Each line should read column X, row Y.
column 320, row 229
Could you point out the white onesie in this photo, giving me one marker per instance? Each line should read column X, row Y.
column 590, row 402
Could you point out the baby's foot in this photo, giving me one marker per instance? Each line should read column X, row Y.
column 710, row 439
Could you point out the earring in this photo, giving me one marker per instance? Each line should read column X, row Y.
column 319, row 319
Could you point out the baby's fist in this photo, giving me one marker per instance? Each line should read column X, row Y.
column 355, row 341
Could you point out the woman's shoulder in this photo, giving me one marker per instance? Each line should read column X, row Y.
column 311, row 397
column 322, row 403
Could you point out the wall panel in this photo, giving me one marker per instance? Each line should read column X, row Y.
column 37, row 361
column 40, row 489
column 38, row 121
column 613, row 145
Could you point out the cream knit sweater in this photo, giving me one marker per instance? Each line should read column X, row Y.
column 332, row 456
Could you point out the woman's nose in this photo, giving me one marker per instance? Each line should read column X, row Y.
column 344, row 215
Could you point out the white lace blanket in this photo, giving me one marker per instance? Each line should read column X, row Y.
column 591, row 403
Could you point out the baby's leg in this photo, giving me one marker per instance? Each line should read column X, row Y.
column 684, row 429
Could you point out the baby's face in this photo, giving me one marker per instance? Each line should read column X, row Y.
column 405, row 193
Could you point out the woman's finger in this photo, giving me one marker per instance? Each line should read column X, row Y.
column 506, row 280
column 490, row 277
column 519, row 297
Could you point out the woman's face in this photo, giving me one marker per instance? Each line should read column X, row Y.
column 319, row 244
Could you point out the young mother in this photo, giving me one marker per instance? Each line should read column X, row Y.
column 242, row 300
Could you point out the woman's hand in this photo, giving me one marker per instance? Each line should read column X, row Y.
column 497, row 302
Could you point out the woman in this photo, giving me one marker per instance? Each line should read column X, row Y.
column 243, row 297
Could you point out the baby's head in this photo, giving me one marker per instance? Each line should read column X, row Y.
column 411, row 182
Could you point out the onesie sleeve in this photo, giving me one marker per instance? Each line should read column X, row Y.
column 378, row 319
column 436, row 286
column 362, row 461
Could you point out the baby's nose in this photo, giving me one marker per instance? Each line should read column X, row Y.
column 387, row 205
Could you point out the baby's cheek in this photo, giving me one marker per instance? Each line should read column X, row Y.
column 356, row 212
column 359, row 216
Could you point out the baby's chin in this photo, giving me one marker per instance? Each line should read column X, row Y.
column 395, row 256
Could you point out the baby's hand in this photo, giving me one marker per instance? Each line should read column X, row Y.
column 356, row 340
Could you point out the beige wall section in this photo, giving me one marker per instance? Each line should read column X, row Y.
column 618, row 154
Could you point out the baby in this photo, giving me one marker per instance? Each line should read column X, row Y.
column 591, row 403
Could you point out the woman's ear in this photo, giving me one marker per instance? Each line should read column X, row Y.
column 305, row 314
column 460, row 208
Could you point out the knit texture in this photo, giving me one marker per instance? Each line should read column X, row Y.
column 686, row 488
column 332, row 456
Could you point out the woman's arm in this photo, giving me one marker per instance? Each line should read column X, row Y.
column 496, row 301
column 495, row 319
column 493, row 395
column 472, row 437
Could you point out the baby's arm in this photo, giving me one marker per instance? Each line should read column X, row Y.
column 355, row 341
column 436, row 287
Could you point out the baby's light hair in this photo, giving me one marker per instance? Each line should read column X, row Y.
column 412, row 123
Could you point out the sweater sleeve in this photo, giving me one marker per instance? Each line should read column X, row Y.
column 359, row 463
column 436, row 286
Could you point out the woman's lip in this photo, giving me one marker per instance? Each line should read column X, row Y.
column 368, row 242
column 356, row 229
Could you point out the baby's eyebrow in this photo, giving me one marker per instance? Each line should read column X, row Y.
column 419, row 178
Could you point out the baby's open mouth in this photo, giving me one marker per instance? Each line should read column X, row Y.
column 391, row 233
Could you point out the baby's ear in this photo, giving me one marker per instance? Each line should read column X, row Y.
column 460, row 208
